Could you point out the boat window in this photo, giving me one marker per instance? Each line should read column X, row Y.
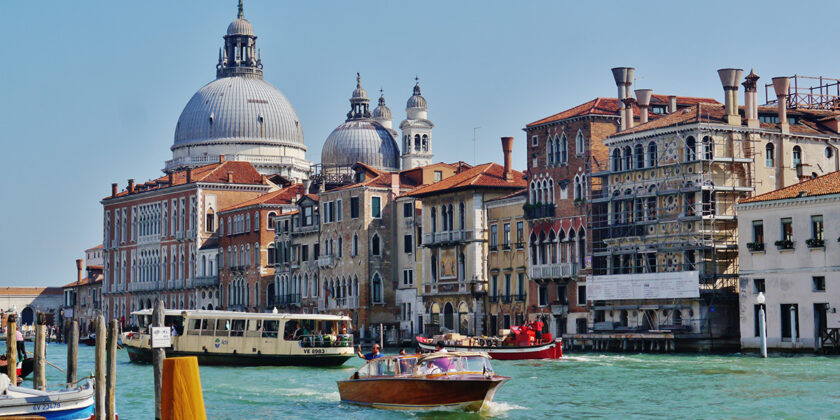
column 206, row 326
column 475, row 364
column 237, row 328
column 194, row 327
column 292, row 330
column 407, row 365
column 269, row 328
column 222, row 327
column 253, row 328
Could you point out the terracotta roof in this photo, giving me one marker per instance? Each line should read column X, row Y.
column 16, row 291
column 94, row 267
column 523, row 192
column 96, row 247
column 283, row 196
column 241, row 173
column 822, row 185
column 488, row 175
column 85, row 281
column 609, row 106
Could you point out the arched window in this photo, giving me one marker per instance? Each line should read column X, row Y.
column 533, row 192
column 564, row 150
column 434, row 267
column 462, row 267
column 270, row 217
column 616, row 160
column 417, row 142
column 406, row 142
column 627, row 159
column 271, row 250
column 579, row 147
column 434, row 220
column 770, row 155
column 797, row 157
column 550, row 152
column 652, row 158
column 462, row 221
column 639, row 155
column 210, row 220
column 355, row 245
column 578, row 188
column 374, row 244
column 550, row 191
column 257, row 254
column 582, row 247
column 708, row 148
column 425, row 143
column 690, row 149
column 444, row 219
column 451, row 214
column 829, row 152
column 376, row 289
column 448, row 317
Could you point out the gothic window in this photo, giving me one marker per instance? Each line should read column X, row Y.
column 770, row 155
column 376, row 288
column 690, row 149
column 425, row 143
column 797, row 156
column 550, row 152
column 579, row 147
column 578, row 190
column 639, row 155
column 564, row 150
column 417, row 142
column 375, row 246
column 461, row 216
column 444, row 219
column 616, row 160
column 708, row 148
column 652, row 161
column 627, row 159
column 434, row 220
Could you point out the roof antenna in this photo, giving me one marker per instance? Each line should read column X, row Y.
column 241, row 14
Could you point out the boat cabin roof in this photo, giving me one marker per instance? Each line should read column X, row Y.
column 188, row 313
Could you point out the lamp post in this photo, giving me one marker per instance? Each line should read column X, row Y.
column 762, row 323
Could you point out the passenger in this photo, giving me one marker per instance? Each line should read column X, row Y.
column 21, row 345
column 439, row 348
column 375, row 354
column 3, row 361
column 402, row 352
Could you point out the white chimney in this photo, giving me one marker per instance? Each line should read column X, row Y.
column 624, row 81
column 628, row 112
column 643, row 99
column 672, row 104
column 730, row 78
column 781, row 85
column 751, row 100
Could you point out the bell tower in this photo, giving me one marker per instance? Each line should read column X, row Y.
column 417, row 131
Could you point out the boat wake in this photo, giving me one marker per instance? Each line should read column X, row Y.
column 308, row 392
column 499, row 409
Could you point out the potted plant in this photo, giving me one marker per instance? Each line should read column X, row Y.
column 815, row 243
column 755, row 246
column 784, row 244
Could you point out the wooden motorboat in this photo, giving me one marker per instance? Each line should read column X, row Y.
column 75, row 403
column 247, row 339
column 24, row 367
column 463, row 380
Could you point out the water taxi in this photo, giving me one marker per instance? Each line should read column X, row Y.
column 247, row 339
column 461, row 380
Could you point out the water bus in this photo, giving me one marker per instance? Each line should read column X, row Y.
column 247, row 339
column 461, row 380
column 517, row 343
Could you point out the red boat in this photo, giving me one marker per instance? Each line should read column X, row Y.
column 519, row 344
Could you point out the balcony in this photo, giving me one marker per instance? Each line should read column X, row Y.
column 538, row 211
column 520, row 297
column 302, row 230
column 326, row 261
column 784, row 244
column 815, row 243
column 553, row 271
column 178, row 284
column 206, row 281
column 142, row 286
column 520, row 245
column 507, row 298
column 448, row 237
column 755, row 246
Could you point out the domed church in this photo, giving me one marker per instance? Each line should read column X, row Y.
column 370, row 139
column 240, row 116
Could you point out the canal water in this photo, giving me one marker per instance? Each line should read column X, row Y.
column 580, row 385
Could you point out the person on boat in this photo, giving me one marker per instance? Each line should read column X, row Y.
column 3, row 361
column 402, row 352
column 375, row 354
column 439, row 348
column 21, row 346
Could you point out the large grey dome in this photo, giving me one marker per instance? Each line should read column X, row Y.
column 238, row 109
column 361, row 141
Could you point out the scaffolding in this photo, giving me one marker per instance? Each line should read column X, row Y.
column 666, row 204
column 808, row 92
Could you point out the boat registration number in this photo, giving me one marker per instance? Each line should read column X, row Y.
column 313, row 351
column 46, row 406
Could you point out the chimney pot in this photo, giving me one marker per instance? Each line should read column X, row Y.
column 130, row 186
column 113, row 190
column 730, row 78
column 781, row 86
column 672, row 104
column 643, row 99
column 230, row 177
column 78, row 270
column 628, row 112
column 624, row 81
column 507, row 149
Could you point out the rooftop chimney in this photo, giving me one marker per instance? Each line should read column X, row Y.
column 307, row 183
column 171, row 179
column 672, row 104
column 189, row 175
column 643, row 99
column 230, row 177
column 730, row 78
column 78, row 271
column 751, row 100
column 507, row 149
column 781, row 86
column 627, row 119
column 221, row 158
column 113, row 190
column 624, row 81
column 130, row 186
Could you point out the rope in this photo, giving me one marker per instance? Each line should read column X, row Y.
column 47, row 361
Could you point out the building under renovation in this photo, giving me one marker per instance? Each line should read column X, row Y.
column 664, row 228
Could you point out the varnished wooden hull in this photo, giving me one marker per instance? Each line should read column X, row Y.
column 469, row 392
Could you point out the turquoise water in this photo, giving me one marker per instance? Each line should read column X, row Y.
column 580, row 385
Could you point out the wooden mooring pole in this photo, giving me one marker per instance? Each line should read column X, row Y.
column 158, row 355
column 101, row 343
column 72, row 338
column 111, row 375
column 11, row 348
column 39, row 380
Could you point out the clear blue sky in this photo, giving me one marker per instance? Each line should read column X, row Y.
column 90, row 91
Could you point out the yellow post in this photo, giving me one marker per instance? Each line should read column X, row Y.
column 180, row 394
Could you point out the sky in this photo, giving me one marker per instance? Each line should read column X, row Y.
column 90, row 91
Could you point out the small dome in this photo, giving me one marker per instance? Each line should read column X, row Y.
column 359, row 92
column 416, row 100
column 363, row 141
column 240, row 26
column 382, row 111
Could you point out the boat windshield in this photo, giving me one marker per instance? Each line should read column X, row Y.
column 388, row 366
column 455, row 364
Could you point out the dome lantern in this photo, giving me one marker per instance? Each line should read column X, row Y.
column 240, row 56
